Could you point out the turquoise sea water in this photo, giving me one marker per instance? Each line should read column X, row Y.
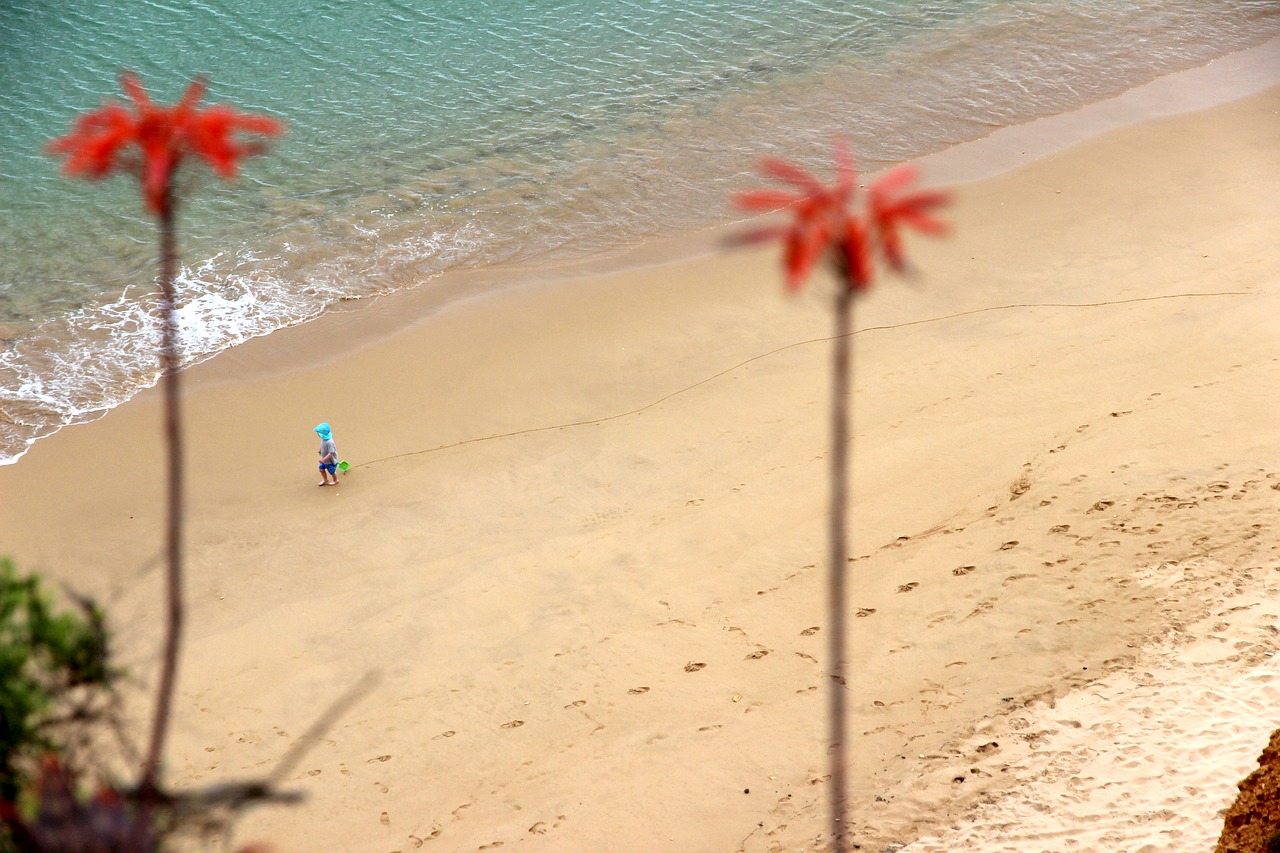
column 430, row 135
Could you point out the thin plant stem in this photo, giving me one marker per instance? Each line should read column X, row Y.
column 169, row 356
column 841, row 373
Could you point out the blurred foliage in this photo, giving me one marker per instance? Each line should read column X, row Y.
column 53, row 664
column 62, row 820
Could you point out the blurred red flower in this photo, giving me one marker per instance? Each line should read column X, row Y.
column 65, row 823
column 825, row 221
column 891, row 207
column 152, row 140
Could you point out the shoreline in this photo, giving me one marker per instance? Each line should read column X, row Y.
column 603, row 626
column 367, row 320
column 1229, row 78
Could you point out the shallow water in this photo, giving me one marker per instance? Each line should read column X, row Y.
column 428, row 137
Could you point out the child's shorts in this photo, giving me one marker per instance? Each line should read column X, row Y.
column 331, row 467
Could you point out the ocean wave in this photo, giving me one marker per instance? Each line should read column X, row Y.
column 76, row 367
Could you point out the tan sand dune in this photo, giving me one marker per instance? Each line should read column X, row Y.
column 581, row 542
column 1142, row 758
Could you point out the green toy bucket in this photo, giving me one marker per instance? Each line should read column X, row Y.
column 343, row 466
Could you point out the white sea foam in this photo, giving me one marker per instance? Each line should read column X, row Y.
column 76, row 368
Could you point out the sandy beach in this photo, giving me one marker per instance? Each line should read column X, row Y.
column 581, row 547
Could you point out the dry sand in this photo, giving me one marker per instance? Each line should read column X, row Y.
column 581, row 543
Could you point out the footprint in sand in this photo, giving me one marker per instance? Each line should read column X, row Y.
column 757, row 654
column 809, row 632
column 514, row 724
column 1019, row 487
column 963, row 570
column 693, row 666
column 384, row 819
column 636, row 691
column 1011, row 544
column 907, row 587
column 577, row 703
column 983, row 607
column 379, row 758
column 865, row 611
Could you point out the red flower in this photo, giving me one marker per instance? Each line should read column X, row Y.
column 152, row 140
column 825, row 224
column 65, row 823
column 891, row 210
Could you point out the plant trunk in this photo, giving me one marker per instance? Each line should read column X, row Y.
column 169, row 359
column 841, row 373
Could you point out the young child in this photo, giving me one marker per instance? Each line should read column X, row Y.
column 328, row 456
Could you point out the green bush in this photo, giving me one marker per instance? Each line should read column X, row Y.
column 52, row 664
